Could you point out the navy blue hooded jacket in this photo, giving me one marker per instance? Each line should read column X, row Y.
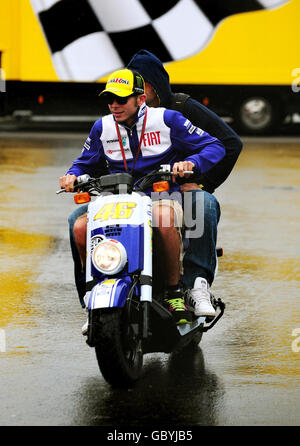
column 153, row 71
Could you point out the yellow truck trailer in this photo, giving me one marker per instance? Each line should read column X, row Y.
column 239, row 58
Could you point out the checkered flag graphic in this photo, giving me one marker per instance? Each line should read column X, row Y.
column 90, row 38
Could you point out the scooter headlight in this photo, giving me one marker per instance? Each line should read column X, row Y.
column 109, row 256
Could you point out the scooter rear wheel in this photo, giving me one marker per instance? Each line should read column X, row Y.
column 197, row 339
column 118, row 349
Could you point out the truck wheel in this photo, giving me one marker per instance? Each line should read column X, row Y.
column 118, row 348
column 257, row 115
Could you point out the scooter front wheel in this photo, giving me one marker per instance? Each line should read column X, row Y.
column 118, row 348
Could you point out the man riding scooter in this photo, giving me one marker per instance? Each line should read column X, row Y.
column 200, row 254
column 121, row 139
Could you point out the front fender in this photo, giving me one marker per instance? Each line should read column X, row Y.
column 109, row 293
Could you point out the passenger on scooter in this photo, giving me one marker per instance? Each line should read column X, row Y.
column 199, row 263
column 121, row 139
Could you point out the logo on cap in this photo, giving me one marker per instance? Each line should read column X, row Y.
column 118, row 80
column 139, row 84
column 124, row 83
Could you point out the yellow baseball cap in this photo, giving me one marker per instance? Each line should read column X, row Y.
column 124, row 83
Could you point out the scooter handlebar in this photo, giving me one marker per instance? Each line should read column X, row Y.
column 85, row 180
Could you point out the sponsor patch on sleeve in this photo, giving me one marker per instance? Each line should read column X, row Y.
column 199, row 131
column 191, row 128
column 187, row 124
column 87, row 144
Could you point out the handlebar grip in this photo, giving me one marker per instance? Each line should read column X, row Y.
column 82, row 179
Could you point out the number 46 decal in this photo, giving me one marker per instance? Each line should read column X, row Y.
column 115, row 210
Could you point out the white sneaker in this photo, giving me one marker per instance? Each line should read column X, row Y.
column 199, row 298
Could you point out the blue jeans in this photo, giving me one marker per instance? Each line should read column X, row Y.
column 200, row 258
column 200, row 253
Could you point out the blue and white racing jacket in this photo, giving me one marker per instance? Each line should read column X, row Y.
column 168, row 138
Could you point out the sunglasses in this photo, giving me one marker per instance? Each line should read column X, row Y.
column 120, row 100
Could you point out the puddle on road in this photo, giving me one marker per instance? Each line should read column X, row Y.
column 260, row 271
column 272, row 268
column 19, row 252
column 20, row 249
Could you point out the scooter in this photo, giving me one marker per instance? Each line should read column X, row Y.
column 126, row 317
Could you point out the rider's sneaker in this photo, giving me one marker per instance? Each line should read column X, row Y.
column 174, row 302
column 199, row 298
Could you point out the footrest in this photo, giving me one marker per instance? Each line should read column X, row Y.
column 217, row 303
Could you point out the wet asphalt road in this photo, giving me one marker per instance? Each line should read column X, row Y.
column 246, row 369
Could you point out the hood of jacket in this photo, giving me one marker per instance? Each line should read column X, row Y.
column 153, row 72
